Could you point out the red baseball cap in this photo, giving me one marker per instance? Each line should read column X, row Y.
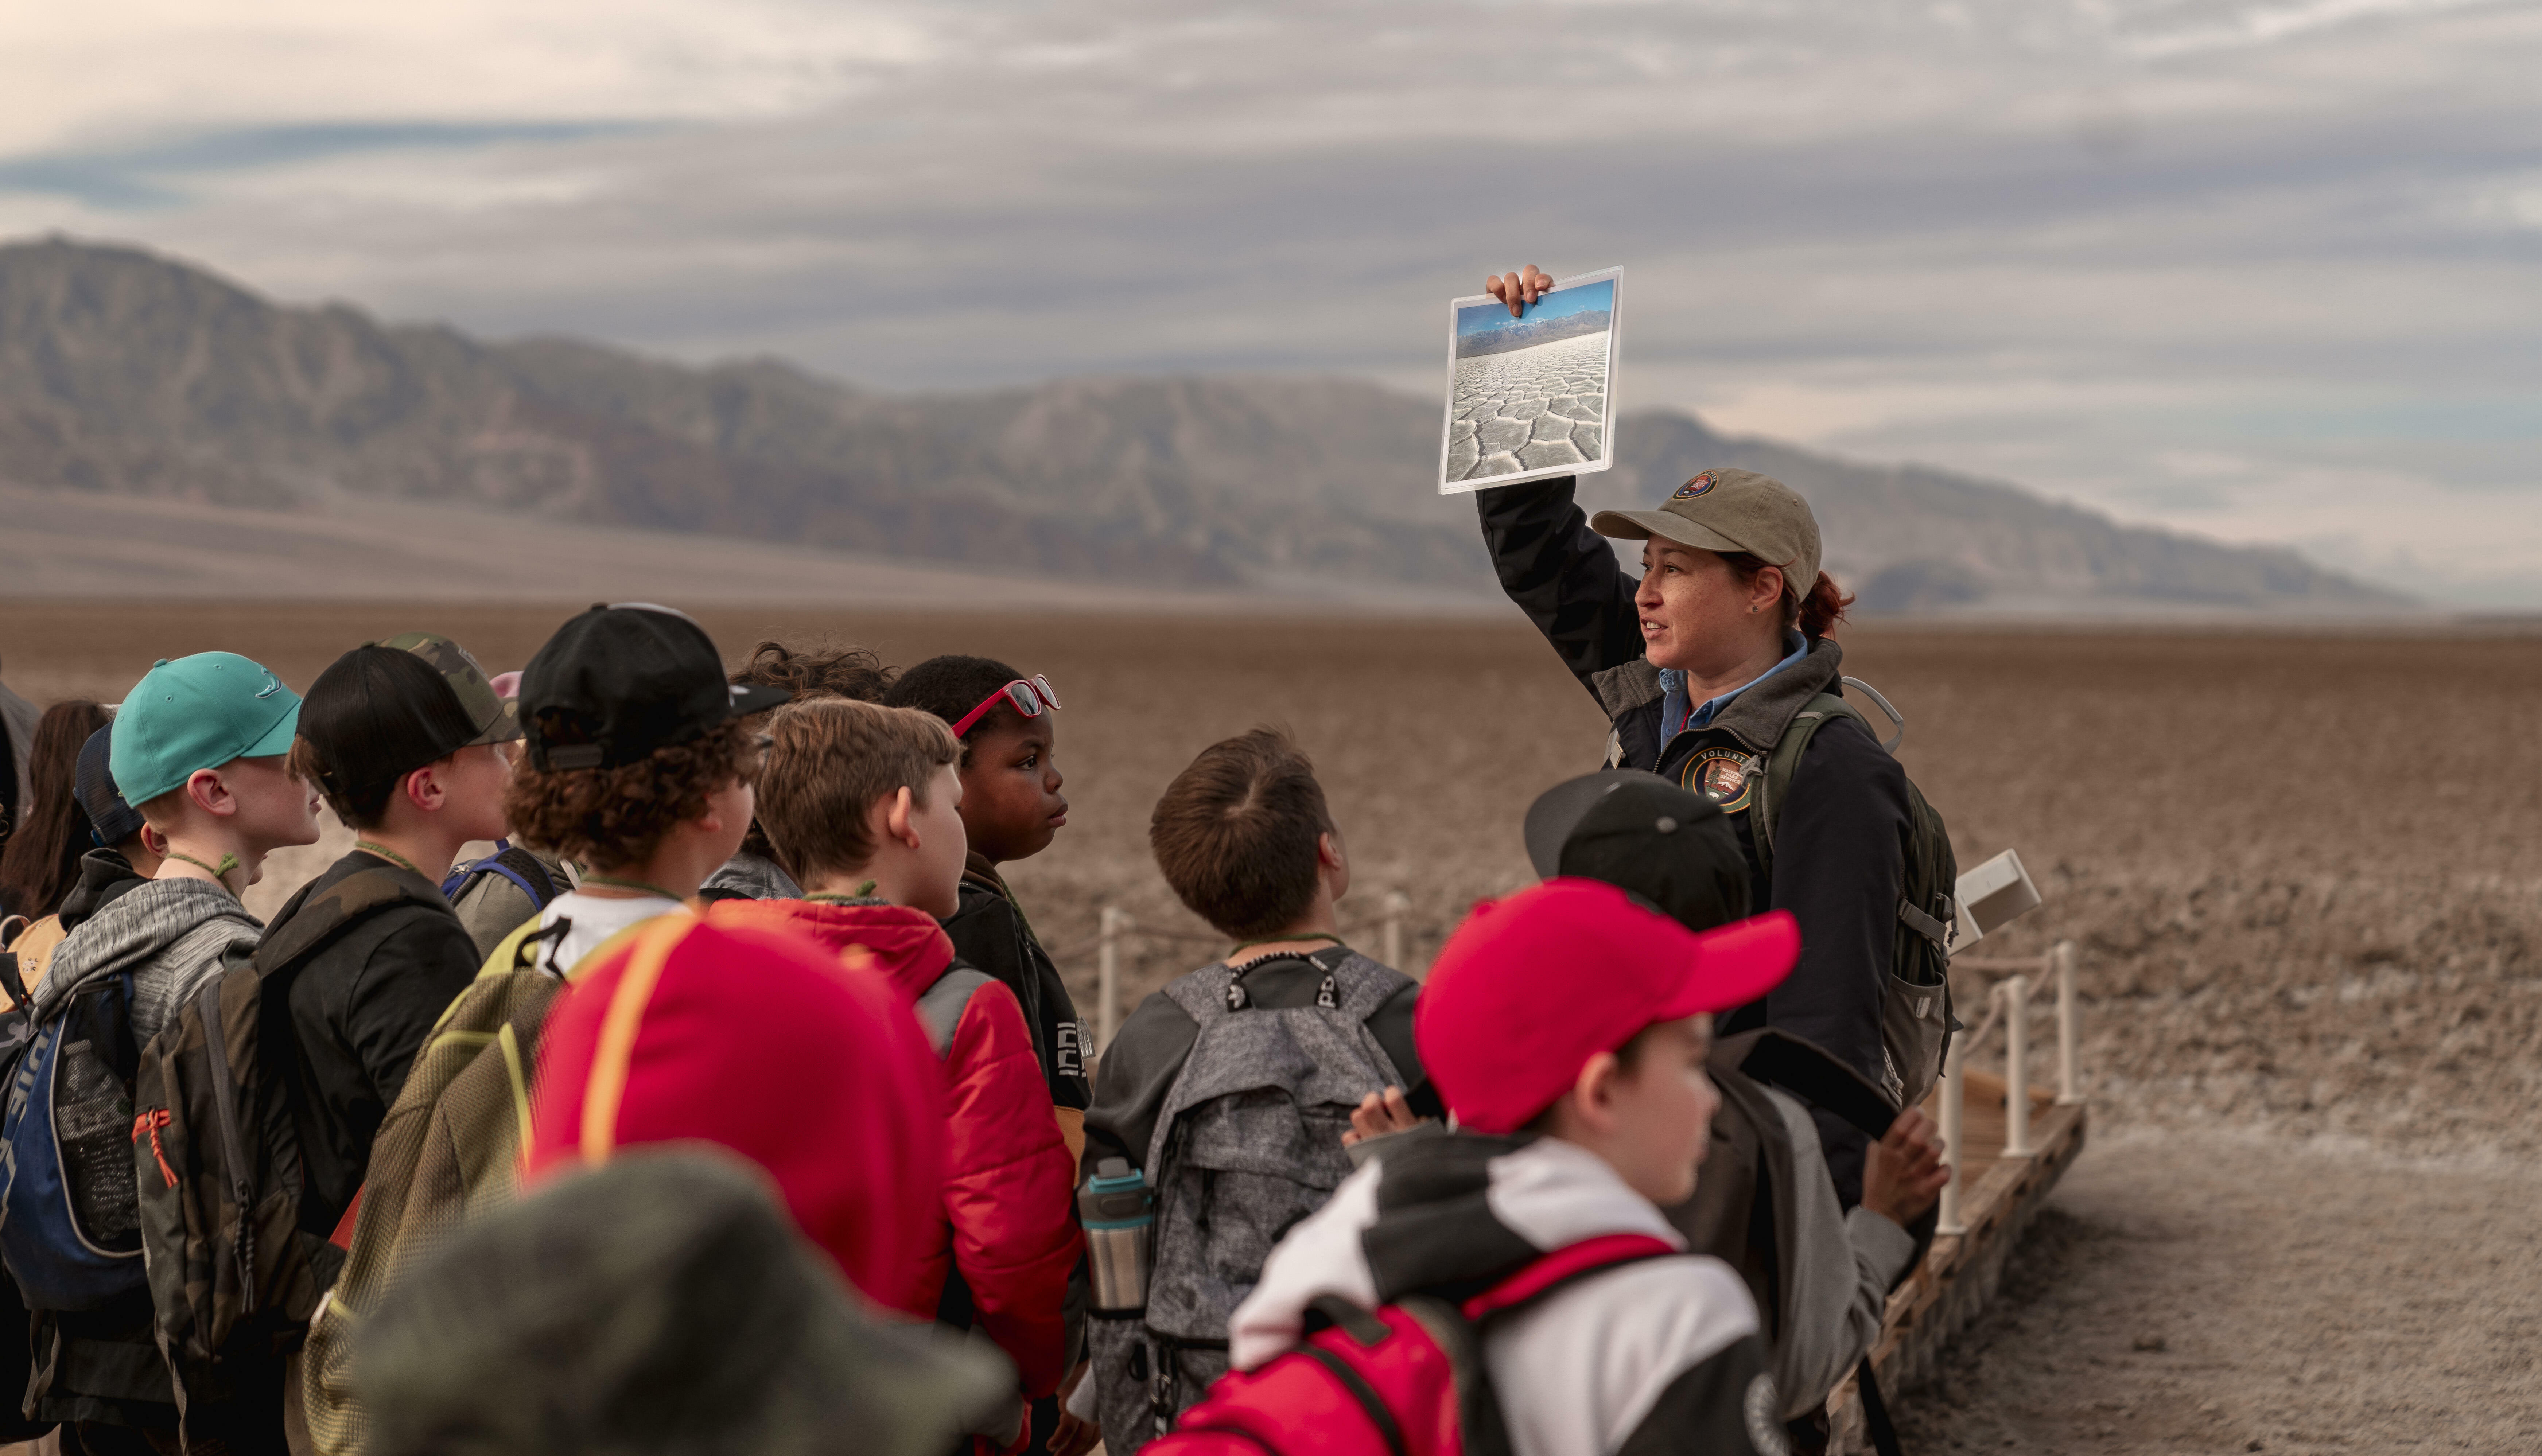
column 1532, row 986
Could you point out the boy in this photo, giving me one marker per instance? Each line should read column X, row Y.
column 499, row 893
column 1232, row 1089
column 636, row 767
column 861, row 804
column 408, row 742
column 1822, row 1273
column 832, row 671
column 1011, row 809
column 1582, row 1107
column 199, row 745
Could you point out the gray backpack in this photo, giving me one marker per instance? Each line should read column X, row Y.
column 1247, row 1143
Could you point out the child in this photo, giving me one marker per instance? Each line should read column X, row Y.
column 125, row 855
column 499, row 893
column 836, row 672
column 861, row 805
column 1233, row 1087
column 199, row 744
column 408, row 742
column 1583, row 1105
column 1011, row 809
column 636, row 766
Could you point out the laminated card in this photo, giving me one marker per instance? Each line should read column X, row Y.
column 1532, row 395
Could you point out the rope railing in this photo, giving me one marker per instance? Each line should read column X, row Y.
column 2009, row 1003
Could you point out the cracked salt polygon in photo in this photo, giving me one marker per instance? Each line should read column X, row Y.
column 1530, row 394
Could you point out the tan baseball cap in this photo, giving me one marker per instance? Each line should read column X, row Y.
column 1725, row 510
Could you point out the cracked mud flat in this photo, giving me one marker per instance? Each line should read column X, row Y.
column 1528, row 409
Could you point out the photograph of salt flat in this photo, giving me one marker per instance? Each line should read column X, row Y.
column 1531, row 392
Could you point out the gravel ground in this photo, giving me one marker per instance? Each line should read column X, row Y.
column 2220, row 1292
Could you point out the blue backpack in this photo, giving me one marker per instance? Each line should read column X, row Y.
column 70, row 1211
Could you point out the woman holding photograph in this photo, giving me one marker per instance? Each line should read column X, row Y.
column 1702, row 665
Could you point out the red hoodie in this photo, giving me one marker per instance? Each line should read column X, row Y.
column 762, row 1043
column 1008, row 1224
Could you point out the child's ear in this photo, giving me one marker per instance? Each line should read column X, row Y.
column 896, row 816
column 209, row 793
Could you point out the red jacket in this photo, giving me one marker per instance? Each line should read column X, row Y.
column 761, row 1042
column 1009, row 1221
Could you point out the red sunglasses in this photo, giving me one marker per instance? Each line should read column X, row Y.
column 1031, row 697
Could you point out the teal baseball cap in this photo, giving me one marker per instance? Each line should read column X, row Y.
column 199, row 712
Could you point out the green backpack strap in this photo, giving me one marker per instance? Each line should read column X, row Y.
column 1784, row 760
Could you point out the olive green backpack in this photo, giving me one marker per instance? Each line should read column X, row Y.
column 1915, row 1021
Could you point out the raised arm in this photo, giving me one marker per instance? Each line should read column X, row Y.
column 1563, row 575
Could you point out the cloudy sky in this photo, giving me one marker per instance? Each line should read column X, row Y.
column 2264, row 270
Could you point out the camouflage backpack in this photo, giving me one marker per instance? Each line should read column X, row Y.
column 446, row 1157
column 233, row 1276
column 1248, row 1142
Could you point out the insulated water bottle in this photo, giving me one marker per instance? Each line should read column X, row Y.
column 1119, row 1211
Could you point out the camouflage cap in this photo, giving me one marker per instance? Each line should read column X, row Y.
column 492, row 713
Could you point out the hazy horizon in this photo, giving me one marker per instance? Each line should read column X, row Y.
column 2263, row 270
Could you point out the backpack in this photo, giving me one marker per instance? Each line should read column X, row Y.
column 1248, row 1142
column 233, row 1276
column 70, row 1224
column 446, row 1156
column 508, row 861
column 1407, row 1379
column 1915, row 1021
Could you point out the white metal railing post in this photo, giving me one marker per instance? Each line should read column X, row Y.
column 1107, row 995
column 2068, row 1093
column 1397, row 905
column 2016, row 1067
column 1954, row 1084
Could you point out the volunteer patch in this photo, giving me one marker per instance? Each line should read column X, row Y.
column 1693, row 487
column 1720, row 774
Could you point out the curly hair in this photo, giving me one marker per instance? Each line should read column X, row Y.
column 848, row 671
column 611, row 817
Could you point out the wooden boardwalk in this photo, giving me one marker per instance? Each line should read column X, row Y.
column 1998, row 1197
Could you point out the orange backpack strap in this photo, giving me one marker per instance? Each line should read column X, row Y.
column 607, row 1088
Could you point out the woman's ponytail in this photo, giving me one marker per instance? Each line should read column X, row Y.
column 1821, row 611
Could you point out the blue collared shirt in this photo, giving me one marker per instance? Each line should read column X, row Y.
column 1675, row 715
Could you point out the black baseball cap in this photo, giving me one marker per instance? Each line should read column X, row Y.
column 618, row 681
column 110, row 821
column 1646, row 836
column 388, row 708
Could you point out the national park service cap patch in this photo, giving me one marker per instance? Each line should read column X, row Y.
column 1728, row 510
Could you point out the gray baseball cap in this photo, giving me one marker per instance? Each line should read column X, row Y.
column 1726, row 510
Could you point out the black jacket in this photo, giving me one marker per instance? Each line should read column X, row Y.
column 990, row 932
column 361, row 1005
column 104, row 877
column 1840, row 842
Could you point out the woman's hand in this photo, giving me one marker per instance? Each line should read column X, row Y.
column 1904, row 1173
column 1519, row 289
column 1379, row 1114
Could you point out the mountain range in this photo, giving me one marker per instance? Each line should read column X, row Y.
column 127, row 375
column 1507, row 336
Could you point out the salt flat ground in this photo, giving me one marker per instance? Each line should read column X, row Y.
column 1528, row 409
column 2188, row 1291
column 2304, row 872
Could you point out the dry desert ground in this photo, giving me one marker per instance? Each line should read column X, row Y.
column 2304, row 871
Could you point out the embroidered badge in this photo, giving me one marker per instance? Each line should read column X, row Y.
column 1693, row 487
column 1721, row 775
